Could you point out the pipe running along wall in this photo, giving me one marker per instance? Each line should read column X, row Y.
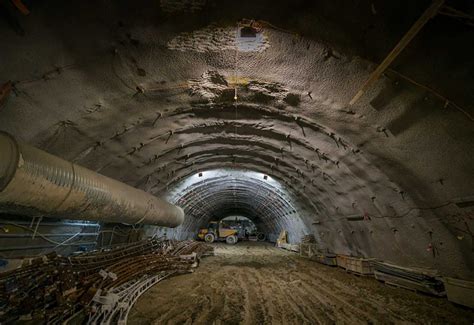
column 33, row 182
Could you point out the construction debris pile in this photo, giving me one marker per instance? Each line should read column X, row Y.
column 97, row 287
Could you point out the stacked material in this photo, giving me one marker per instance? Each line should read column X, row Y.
column 460, row 291
column 417, row 279
column 308, row 250
column 307, row 239
column 282, row 239
column 326, row 259
column 341, row 260
column 311, row 251
column 102, row 284
column 290, row 247
column 356, row 265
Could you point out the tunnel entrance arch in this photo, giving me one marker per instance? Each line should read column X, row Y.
column 225, row 192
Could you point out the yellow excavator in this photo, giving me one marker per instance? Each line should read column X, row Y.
column 218, row 231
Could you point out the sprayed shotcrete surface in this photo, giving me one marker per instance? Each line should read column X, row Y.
column 260, row 284
column 144, row 92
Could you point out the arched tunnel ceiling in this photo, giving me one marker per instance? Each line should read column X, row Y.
column 217, row 193
column 144, row 92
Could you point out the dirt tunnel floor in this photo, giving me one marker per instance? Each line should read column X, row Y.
column 254, row 283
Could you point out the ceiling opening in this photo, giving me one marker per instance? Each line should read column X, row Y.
column 249, row 38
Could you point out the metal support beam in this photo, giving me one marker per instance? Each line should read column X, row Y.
column 412, row 32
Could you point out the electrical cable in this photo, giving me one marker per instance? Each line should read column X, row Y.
column 38, row 233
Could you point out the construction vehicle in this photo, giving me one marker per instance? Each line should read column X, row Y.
column 218, row 231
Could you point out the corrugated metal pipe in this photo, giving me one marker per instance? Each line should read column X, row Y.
column 33, row 182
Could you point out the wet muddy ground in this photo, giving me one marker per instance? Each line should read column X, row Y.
column 254, row 283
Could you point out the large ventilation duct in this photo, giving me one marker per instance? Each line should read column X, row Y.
column 33, row 182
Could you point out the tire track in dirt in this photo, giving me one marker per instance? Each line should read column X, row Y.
column 315, row 301
column 297, row 303
column 247, row 317
column 301, row 310
column 254, row 283
column 267, row 311
column 214, row 306
column 346, row 289
column 330, row 297
column 233, row 307
column 280, row 301
column 343, row 292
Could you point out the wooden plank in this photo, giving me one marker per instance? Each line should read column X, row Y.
column 412, row 32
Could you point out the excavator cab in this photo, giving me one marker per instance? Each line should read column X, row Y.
column 218, row 231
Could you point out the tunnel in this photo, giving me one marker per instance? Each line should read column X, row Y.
column 220, row 193
column 331, row 141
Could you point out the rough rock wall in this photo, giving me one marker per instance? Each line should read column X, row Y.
column 144, row 92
